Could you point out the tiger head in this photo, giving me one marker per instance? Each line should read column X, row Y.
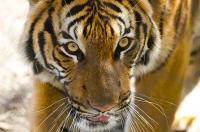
column 91, row 50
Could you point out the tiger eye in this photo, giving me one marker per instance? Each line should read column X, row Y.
column 124, row 42
column 73, row 47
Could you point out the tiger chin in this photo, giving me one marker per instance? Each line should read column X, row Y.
column 93, row 59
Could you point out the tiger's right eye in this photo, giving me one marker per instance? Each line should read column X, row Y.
column 124, row 42
column 72, row 49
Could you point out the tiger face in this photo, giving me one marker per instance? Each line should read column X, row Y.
column 91, row 51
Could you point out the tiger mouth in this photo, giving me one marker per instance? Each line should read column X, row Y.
column 99, row 118
column 102, row 121
column 93, row 120
column 97, row 121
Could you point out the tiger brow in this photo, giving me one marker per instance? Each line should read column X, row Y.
column 66, row 35
column 127, row 31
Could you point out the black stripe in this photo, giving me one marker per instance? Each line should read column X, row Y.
column 66, row 35
column 90, row 19
column 49, row 27
column 120, row 28
column 41, row 42
column 30, row 54
column 76, row 21
column 114, row 16
column 66, row 2
column 138, row 20
column 177, row 17
column 111, row 29
column 88, row 23
column 113, row 7
column 75, row 10
column 64, row 60
column 127, row 31
column 133, row 3
column 37, row 67
column 117, row 17
column 145, row 59
column 145, row 30
column 85, row 30
column 161, row 24
column 75, row 32
column 58, row 61
column 55, row 58
column 151, row 42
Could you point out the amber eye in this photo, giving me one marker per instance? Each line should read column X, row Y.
column 72, row 47
column 124, row 42
column 123, row 46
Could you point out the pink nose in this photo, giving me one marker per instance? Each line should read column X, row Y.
column 102, row 108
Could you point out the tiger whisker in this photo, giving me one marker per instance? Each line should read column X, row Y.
column 137, row 3
column 154, row 105
column 72, row 124
column 142, row 117
column 132, row 127
column 141, row 125
column 64, row 122
column 122, row 120
column 138, row 118
column 50, row 105
column 76, row 128
column 57, row 118
column 156, row 99
column 145, row 113
column 49, row 116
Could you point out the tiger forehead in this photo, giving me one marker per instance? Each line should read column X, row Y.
column 90, row 18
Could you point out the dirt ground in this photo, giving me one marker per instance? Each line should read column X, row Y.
column 15, row 75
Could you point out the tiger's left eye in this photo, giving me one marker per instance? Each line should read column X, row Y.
column 124, row 42
column 123, row 46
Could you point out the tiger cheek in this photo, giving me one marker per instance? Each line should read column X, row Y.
column 124, row 79
column 77, row 91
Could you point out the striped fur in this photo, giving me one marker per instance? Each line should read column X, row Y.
column 100, row 70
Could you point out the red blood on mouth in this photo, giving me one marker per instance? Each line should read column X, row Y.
column 100, row 118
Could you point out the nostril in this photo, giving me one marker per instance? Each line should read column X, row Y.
column 84, row 87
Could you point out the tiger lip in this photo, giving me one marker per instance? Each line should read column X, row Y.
column 99, row 118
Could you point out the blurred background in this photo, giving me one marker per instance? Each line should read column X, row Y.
column 15, row 75
column 15, row 88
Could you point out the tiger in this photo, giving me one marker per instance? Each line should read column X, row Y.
column 107, row 65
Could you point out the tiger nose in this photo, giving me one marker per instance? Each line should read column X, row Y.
column 102, row 108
